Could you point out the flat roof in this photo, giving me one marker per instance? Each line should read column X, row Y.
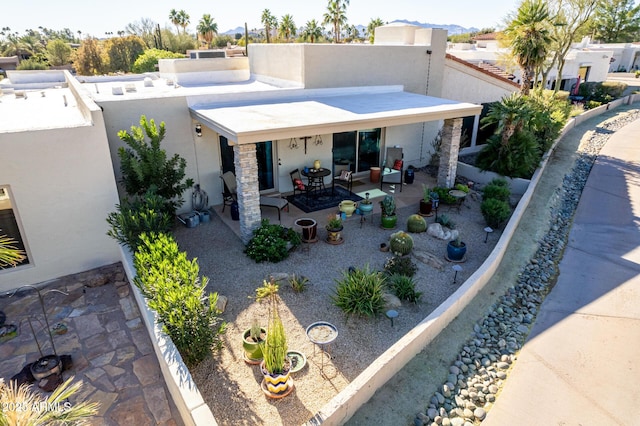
column 311, row 112
column 28, row 110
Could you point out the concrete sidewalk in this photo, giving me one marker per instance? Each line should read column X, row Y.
column 579, row 365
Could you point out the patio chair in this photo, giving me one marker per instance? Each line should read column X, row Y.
column 393, row 168
column 345, row 178
column 229, row 189
column 298, row 184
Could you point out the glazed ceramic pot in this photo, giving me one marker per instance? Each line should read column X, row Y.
column 348, row 207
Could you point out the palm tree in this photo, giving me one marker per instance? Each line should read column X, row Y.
column 371, row 28
column 336, row 16
column 269, row 21
column 287, row 27
column 207, row 28
column 175, row 19
column 312, row 31
column 528, row 36
column 184, row 20
column 510, row 115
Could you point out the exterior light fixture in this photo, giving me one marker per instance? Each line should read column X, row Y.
column 488, row 230
column 456, row 268
column 199, row 130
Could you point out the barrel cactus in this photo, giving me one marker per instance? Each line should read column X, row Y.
column 401, row 243
column 416, row 223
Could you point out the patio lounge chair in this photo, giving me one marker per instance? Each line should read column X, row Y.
column 229, row 189
column 393, row 167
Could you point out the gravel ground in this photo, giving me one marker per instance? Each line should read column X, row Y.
column 232, row 388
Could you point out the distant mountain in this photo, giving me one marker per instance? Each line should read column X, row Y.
column 451, row 29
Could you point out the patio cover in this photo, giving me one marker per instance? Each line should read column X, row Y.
column 295, row 113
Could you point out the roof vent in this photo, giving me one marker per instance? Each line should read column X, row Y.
column 148, row 82
column 130, row 87
column 117, row 90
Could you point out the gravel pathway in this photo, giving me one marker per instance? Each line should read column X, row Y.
column 481, row 367
column 232, row 389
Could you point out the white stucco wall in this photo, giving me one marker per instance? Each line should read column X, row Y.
column 63, row 188
column 180, row 138
column 464, row 83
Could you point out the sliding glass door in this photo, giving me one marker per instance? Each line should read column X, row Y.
column 357, row 151
column 264, row 155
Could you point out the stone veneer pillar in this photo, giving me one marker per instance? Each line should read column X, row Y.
column 449, row 147
column 248, row 189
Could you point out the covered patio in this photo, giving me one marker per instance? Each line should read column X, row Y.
column 300, row 112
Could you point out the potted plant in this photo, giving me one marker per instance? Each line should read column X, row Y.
column 456, row 250
column 252, row 340
column 366, row 205
column 388, row 207
column 276, row 366
column 334, row 229
column 425, row 204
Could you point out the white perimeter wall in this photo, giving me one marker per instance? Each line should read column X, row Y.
column 62, row 188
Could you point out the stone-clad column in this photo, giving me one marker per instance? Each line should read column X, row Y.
column 451, row 132
column 248, row 189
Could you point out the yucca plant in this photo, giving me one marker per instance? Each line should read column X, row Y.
column 59, row 409
column 10, row 255
column 360, row 292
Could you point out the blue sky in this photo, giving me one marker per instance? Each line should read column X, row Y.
column 97, row 17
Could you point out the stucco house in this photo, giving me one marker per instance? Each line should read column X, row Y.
column 280, row 108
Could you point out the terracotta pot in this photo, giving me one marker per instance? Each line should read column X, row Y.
column 426, row 207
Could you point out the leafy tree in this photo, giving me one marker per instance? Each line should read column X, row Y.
column 207, row 28
column 221, row 41
column 312, row 31
column 287, row 27
column 144, row 164
column 145, row 29
column 569, row 17
column 123, row 52
column 616, row 21
column 371, row 28
column 336, row 15
column 270, row 22
column 148, row 61
column 529, row 38
column 88, row 58
column 58, row 52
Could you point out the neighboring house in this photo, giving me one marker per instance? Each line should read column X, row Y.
column 8, row 63
column 580, row 63
column 281, row 108
column 477, row 84
column 623, row 57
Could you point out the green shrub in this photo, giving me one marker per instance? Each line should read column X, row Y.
column 148, row 61
column 462, row 187
column 271, row 243
column 495, row 212
column 497, row 192
column 144, row 165
column 416, row 224
column 172, row 286
column 133, row 218
column 360, row 292
column 404, row 287
column 400, row 265
column 518, row 158
column 31, row 64
column 443, row 195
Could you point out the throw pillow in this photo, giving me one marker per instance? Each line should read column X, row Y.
column 299, row 184
column 397, row 165
column 345, row 175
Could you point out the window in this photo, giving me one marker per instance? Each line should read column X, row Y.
column 9, row 224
